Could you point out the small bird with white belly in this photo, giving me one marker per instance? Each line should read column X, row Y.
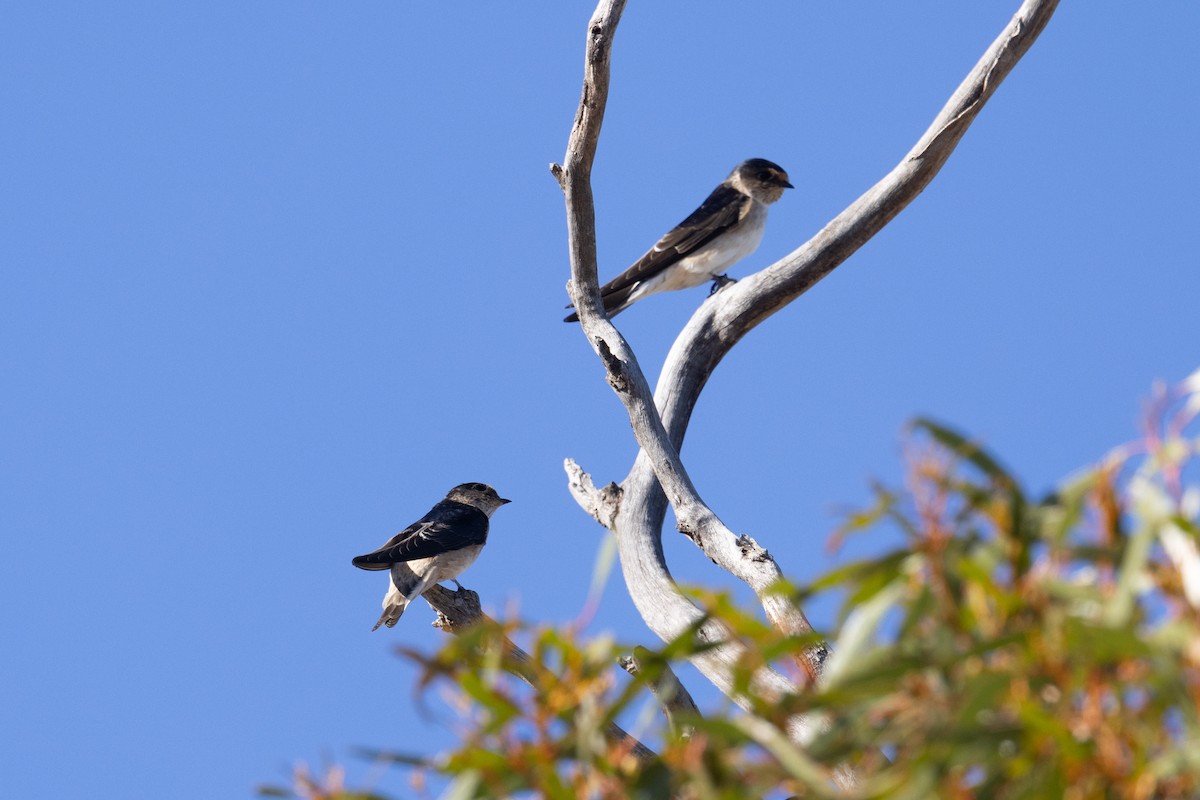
column 437, row 547
column 726, row 228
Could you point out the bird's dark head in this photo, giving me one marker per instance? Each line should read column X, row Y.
column 761, row 179
column 479, row 495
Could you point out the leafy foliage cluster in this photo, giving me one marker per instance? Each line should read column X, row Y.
column 1010, row 648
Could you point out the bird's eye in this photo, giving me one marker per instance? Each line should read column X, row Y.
column 764, row 176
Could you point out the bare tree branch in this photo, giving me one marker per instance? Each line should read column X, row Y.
column 600, row 504
column 721, row 322
column 626, row 378
column 459, row 610
column 575, row 176
column 724, row 319
column 658, row 473
column 668, row 690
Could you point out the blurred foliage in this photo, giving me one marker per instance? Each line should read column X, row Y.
column 1011, row 648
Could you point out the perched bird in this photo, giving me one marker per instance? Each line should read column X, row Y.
column 726, row 228
column 437, row 547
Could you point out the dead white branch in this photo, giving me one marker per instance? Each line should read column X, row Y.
column 660, row 422
column 677, row 704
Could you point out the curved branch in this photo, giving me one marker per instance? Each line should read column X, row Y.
column 676, row 702
column 722, row 322
column 714, row 329
column 624, row 372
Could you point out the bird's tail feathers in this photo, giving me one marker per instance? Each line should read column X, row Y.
column 391, row 614
column 398, row 598
column 614, row 303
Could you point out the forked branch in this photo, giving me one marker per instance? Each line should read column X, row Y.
column 660, row 421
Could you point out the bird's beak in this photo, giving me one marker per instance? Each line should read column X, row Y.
column 503, row 501
column 784, row 183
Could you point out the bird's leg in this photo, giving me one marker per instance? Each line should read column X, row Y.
column 720, row 282
column 458, row 586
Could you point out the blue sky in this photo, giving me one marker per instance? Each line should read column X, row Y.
column 279, row 275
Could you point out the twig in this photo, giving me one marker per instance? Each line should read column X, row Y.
column 668, row 690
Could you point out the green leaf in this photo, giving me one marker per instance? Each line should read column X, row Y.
column 463, row 787
column 858, row 633
column 970, row 451
column 1119, row 608
column 792, row 758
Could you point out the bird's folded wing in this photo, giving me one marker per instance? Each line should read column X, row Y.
column 723, row 209
column 449, row 526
